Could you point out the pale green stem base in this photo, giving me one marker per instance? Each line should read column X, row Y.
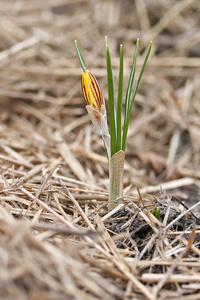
column 116, row 174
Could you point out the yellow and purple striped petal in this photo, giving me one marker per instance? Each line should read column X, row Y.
column 91, row 90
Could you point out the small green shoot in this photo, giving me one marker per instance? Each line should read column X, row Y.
column 156, row 213
column 114, row 136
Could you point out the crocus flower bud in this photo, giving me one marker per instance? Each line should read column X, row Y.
column 91, row 90
column 96, row 106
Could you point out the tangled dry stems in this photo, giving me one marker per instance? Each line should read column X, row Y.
column 57, row 240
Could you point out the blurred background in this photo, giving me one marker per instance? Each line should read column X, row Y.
column 42, row 111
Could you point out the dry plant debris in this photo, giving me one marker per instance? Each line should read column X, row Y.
column 57, row 240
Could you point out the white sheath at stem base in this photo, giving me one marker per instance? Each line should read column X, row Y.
column 116, row 174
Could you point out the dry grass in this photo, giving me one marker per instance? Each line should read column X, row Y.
column 57, row 240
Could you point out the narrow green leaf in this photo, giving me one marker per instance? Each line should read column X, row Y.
column 130, row 82
column 133, row 98
column 157, row 213
column 111, row 102
column 119, row 101
column 106, row 42
column 80, row 57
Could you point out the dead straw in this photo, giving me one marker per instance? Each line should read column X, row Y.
column 56, row 238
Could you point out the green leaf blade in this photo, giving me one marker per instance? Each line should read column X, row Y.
column 111, row 102
column 119, row 101
column 130, row 82
column 126, row 123
column 80, row 57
